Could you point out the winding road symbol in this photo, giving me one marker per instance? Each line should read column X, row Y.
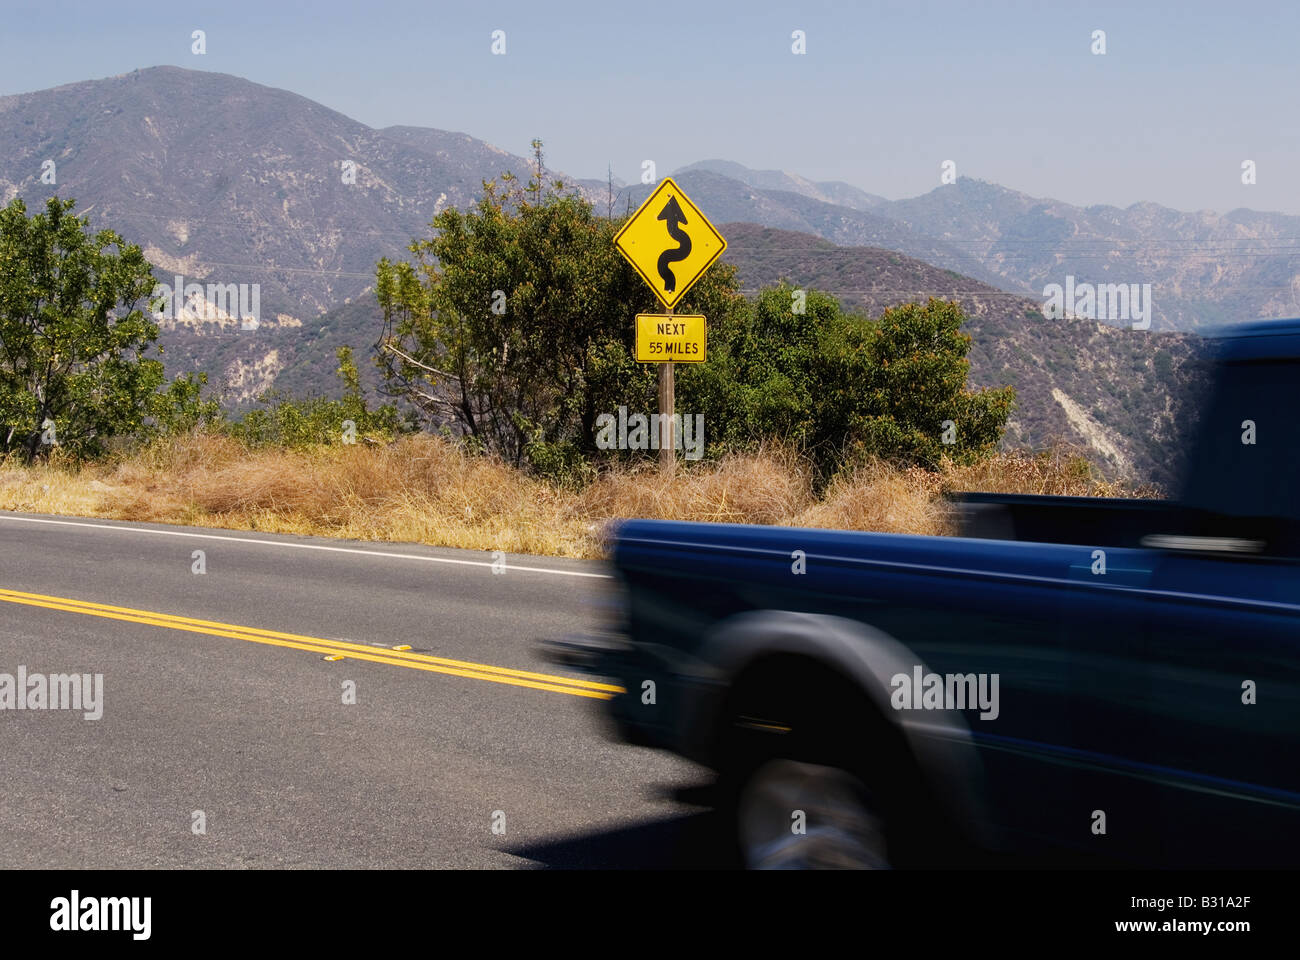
column 672, row 212
column 669, row 242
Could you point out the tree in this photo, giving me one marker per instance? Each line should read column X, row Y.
column 181, row 406
column 916, row 406
column 799, row 364
column 841, row 386
column 73, row 333
column 285, row 421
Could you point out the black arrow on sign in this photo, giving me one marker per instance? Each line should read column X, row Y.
column 673, row 214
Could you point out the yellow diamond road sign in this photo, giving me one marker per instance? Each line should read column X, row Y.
column 669, row 242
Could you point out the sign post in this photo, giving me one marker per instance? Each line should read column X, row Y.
column 667, row 404
column 669, row 229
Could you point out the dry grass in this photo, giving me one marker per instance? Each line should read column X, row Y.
column 425, row 489
column 770, row 486
column 881, row 497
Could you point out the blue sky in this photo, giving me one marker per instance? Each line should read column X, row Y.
column 886, row 92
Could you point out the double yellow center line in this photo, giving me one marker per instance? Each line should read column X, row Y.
column 353, row 651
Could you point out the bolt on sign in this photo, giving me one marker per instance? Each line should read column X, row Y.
column 669, row 242
column 668, row 338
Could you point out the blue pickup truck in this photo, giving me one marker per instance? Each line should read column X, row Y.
column 1112, row 680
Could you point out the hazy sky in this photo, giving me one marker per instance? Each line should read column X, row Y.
column 1009, row 91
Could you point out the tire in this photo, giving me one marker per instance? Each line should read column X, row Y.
column 802, row 816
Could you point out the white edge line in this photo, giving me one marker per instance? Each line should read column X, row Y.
column 304, row 546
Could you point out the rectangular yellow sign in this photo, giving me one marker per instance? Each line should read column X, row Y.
column 661, row 338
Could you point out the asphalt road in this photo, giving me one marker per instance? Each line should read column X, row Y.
column 243, row 717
